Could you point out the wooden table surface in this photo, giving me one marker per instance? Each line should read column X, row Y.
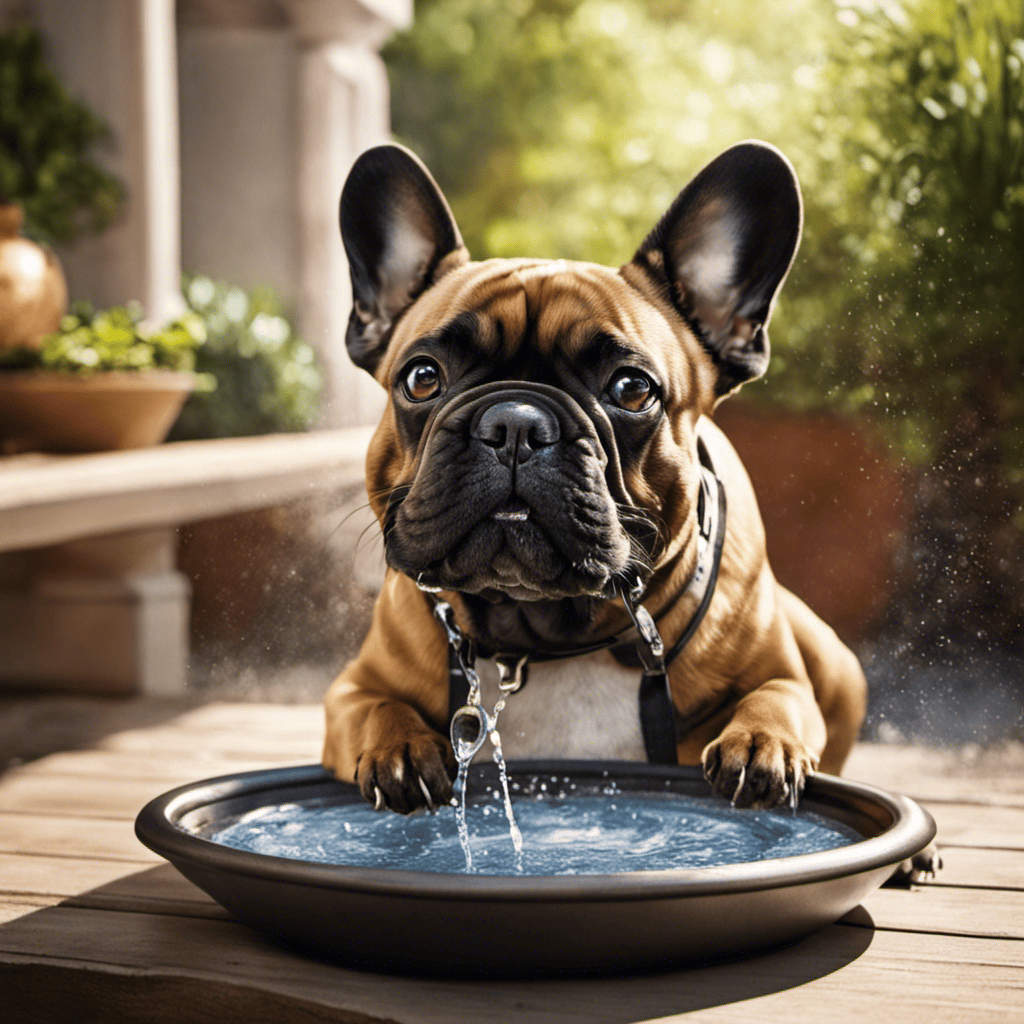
column 93, row 927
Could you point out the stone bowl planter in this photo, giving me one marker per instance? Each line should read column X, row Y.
column 50, row 411
column 835, row 504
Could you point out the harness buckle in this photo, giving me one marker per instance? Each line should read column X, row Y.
column 511, row 672
column 649, row 646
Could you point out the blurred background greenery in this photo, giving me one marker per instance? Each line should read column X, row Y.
column 564, row 128
column 262, row 378
column 47, row 144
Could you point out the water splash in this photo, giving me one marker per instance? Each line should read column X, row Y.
column 470, row 726
column 460, row 806
column 513, row 828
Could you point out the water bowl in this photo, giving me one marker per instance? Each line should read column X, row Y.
column 624, row 866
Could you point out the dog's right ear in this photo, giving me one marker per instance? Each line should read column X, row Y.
column 400, row 238
column 721, row 253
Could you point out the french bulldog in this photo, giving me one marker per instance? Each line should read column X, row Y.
column 542, row 442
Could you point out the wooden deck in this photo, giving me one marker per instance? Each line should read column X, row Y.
column 93, row 927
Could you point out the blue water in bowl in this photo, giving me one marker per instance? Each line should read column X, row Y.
column 564, row 833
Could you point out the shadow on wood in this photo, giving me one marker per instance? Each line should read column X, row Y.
column 150, row 947
column 34, row 724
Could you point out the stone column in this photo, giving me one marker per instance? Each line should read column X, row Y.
column 110, row 614
column 343, row 109
column 118, row 57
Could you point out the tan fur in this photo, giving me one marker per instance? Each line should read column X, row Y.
column 795, row 693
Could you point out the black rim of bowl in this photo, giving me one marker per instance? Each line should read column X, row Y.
column 909, row 830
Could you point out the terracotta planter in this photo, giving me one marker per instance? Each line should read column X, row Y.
column 33, row 293
column 61, row 412
column 835, row 506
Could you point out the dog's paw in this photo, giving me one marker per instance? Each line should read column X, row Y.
column 417, row 772
column 757, row 769
column 925, row 864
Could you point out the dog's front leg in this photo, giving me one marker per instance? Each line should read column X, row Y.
column 772, row 743
column 380, row 708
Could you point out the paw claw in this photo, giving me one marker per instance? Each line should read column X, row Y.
column 378, row 799
column 739, row 785
column 425, row 792
column 915, row 869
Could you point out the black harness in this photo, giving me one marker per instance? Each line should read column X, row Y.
column 660, row 722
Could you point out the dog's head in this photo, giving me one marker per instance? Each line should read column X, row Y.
column 539, row 440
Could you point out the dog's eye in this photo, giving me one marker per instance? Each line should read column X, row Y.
column 632, row 390
column 421, row 380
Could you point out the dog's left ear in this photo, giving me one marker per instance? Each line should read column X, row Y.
column 721, row 252
column 400, row 238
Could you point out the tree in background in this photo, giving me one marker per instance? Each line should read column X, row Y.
column 565, row 127
column 928, row 100
column 47, row 144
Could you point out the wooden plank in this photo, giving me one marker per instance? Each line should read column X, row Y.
column 968, row 774
column 236, row 744
column 13, row 907
column 971, row 825
column 122, row 798
column 945, row 910
column 88, row 798
column 30, row 874
column 230, row 730
column 104, row 885
column 41, row 993
column 967, row 866
column 850, row 971
column 231, row 747
column 274, row 719
column 63, row 835
column 31, row 726
column 175, row 769
column 62, row 499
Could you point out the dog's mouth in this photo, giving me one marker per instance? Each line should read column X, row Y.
column 515, row 510
column 511, row 553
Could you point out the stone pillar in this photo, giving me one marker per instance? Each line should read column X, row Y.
column 343, row 109
column 118, row 57
column 278, row 98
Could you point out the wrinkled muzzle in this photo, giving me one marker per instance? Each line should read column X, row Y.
column 510, row 496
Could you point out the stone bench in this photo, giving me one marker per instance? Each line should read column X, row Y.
column 90, row 598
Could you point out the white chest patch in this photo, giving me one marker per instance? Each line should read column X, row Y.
column 584, row 708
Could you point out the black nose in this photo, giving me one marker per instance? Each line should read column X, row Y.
column 517, row 430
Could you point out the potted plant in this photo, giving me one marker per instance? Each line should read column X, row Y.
column 101, row 381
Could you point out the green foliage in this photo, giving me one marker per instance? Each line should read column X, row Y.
column 565, row 128
column 267, row 379
column 46, row 138
column 924, row 105
column 89, row 342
